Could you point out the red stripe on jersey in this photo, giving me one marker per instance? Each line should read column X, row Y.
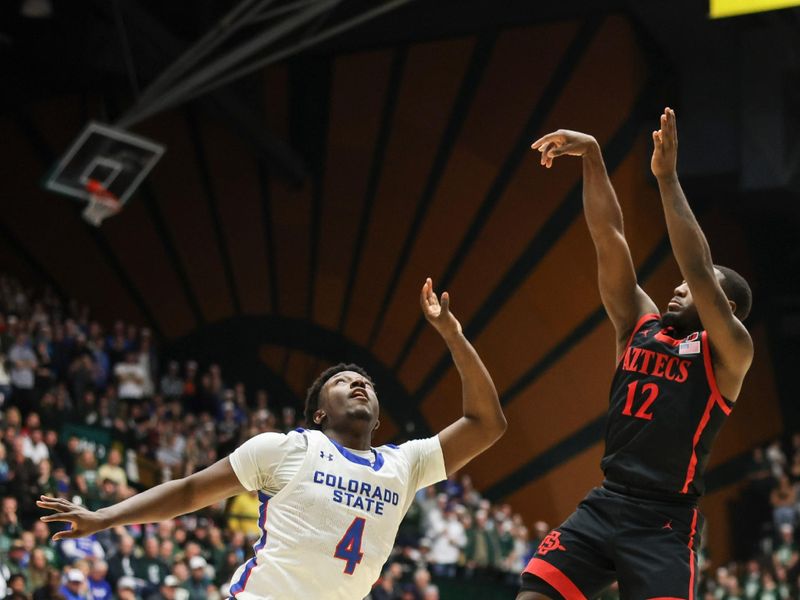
column 555, row 578
column 642, row 320
column 697, row 434
column 691, row 554
column 712, row 379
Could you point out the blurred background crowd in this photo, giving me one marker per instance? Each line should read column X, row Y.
column 93, row 414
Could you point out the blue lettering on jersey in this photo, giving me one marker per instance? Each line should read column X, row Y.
column 357, row 494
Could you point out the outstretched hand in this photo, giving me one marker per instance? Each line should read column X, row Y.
column 563, row 141
column 438, row 313
column 84, row 522
column 665, row 146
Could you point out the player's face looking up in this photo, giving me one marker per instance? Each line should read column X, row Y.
column 347, row 398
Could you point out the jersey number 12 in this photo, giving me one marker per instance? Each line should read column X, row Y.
column 650, row 390
column 349, row 547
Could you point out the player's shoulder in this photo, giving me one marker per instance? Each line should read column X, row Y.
column 291, row 439
column 412, row 449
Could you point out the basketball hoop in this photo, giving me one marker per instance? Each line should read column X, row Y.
column 102, row 203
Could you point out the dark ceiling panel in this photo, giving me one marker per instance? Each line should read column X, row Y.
column 354, row 120
column 234, row 175
column 182, row 201
column 134, row 239
column 431, row 79
column 490, row 273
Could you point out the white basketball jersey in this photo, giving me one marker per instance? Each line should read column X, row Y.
column 328, row 531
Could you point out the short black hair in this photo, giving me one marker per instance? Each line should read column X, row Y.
column 737, row 289
column 312, row 395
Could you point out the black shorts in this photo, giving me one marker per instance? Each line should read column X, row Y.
column 646, row 545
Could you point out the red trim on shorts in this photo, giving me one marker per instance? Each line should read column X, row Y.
column 642, row 320
column 555, row 578
column 712, row 379
column 691, row 554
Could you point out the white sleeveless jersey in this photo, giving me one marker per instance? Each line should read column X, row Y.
column 330, row 526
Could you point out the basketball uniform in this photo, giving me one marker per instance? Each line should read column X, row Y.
column 329, row 515
column 642, row 526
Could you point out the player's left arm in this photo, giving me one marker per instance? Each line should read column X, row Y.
column 733, row 347
column 483, row 422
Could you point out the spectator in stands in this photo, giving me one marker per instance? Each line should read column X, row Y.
column 776, row 459
column 23, row 483
column 16, row 586
column 171, row 382
column 126, row 589
column 448, row 538
column 75, row 587
column 5, row 470
column 86, row 477
column 423, row 588
column 150, row 568
column 482, row 551
column 198, row 582
column 387, row 587
column 50, row 591
column 243, row 514
column 37, row 569
column 786, row 553
column 112, row 469
column 168, row 590
column 131, row 378
column 751, row 582
column 783, row 499
column 124, row 563
column 23, row 363
column 99, row 587
column 83, row 548
column 33, row 445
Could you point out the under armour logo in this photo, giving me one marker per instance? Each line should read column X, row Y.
column 323, row 455
column 551, row 542
column 668, row 525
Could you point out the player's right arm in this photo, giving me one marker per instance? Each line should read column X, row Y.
column 624, row 300
column 159, row 503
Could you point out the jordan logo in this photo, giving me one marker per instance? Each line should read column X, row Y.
column 550, row 543
column 323, row 455
column 668, row 525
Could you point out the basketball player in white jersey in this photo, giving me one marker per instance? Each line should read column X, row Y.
column 331, row 504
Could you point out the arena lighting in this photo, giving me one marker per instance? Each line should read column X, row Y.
column 730, row 8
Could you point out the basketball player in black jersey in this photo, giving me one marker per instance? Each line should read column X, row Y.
column 678, row 375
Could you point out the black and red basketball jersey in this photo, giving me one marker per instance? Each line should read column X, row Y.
column 665, row 412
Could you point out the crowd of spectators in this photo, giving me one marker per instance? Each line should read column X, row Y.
column 90, row 415
column 765, row 530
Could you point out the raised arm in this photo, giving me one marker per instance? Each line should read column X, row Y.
column 159, row 503
column 483, row 422
column 733, row 348
column 624, row 301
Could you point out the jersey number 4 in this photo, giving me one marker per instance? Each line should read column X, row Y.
column 649, row 392
column 349, row 547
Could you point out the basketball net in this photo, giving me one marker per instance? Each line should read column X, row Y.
column 102, row 203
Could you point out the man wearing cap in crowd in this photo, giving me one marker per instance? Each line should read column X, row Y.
column 74, row 587
column 170, row 590
column 198, row 580
column 126, row 588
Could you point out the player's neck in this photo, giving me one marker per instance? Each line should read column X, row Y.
column 355, row 440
